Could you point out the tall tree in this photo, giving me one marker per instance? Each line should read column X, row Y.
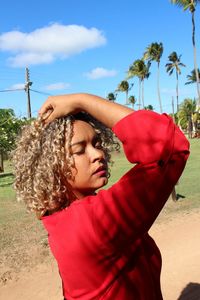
column 192, row 77
column 141, row 70
column 185, row 115
column 196, row 123
column 191, row 6
column 149, row 107
column 175, row 64
column 124, row 86
column 153, row 53
column 132, row 100
column 111, row 97
column 9, row 128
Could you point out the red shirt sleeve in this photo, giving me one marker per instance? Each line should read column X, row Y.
column 125, row 212
column 148, row 136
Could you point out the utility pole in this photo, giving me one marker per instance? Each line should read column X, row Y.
column 28, row 83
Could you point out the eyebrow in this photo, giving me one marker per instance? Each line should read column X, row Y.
column 82, row 142
column 77, row 143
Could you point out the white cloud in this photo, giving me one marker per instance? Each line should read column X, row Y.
column 27, row 59
column 100, row 73
column 17, row 86
column 46, row 44
column 57, row 86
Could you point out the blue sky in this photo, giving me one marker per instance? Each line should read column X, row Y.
column 87, row 46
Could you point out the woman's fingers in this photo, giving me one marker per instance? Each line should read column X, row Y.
column 47, row 111
column 48, row 116
column 58, row 106
column 45, row 107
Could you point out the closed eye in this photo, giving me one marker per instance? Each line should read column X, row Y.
column 79, row 152
column 78, row 148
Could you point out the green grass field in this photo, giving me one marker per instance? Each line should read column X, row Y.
column 188, row 187
column 23, row 241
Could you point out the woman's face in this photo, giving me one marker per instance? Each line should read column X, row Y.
column 90, row 170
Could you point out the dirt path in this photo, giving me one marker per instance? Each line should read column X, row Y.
column 179, row 241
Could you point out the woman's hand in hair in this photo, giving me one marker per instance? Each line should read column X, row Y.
column 58, row 106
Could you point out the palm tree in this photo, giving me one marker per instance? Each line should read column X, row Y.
column 191, row 5
column 132, row 100
column 185, row 115
column 192, row 77
column 174, row 64
column 134, row 71
column 196, row 123
column 111, row 97
column 149, row 107
column 140, row 70
column 123, row 86
column 144, row 75
column 153, row 53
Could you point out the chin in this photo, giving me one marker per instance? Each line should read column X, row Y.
column 104, row 182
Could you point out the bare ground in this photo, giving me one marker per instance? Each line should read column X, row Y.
column 178, row 238
column 179, row 242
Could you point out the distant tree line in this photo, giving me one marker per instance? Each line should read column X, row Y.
column 10, row 127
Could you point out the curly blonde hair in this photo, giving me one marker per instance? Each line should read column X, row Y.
column 42, row 162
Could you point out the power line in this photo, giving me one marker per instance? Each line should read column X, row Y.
column 22, row 89
column 11, row 90
column 39, row 92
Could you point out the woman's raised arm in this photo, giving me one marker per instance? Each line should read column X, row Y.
column 107, row 112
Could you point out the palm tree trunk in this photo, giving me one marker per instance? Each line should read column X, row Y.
column 177, row 102
column 190, row 127
column 142, row 83
column 173, row 109
column 139, row 100
column 195, row 57
column 127, row 97
column 158, row 87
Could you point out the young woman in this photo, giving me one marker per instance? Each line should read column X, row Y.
column 100, row 239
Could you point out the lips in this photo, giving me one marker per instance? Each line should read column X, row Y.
column 102, row 170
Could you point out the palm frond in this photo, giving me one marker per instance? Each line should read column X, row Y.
column 153, row 52
column 186, row 4
column 123, row 86
column 174, row 63
column 192, row 77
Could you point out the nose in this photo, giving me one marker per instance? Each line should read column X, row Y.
column 96, row 154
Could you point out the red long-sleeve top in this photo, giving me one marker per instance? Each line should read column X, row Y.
column 101, row 242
